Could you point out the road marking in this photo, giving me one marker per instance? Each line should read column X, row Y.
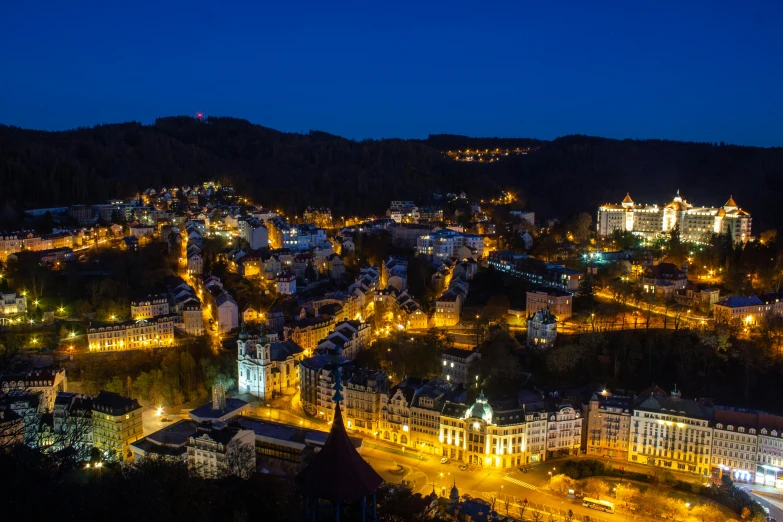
column 520, row 483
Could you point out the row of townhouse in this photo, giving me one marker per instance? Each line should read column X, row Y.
column 446, row 243
column 193, row 243
column 221, row 306
column 685, row 435
column 362, row 391
column 448, row 307
column 296, row 237
column 67, row 421
column 29, row 241
column 748, row 310
column 138, row 334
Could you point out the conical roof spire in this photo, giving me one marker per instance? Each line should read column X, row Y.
column 338, row 386
column 338, row 473
column 627, row 198
column 731, row 202
column 243, row 332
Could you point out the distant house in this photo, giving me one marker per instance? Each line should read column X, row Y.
column 336, row 266
column 130, row 243
column 286, row 283
column 664, row 278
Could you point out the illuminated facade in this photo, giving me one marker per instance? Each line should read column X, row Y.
column 608, row 426
column 541, row 329
column 116, row 422
column 149, row 307
column 672, row 433
column 564, row 431
column 132, row 335
column 448, row 243
column 482, row 436
column 694, row 223
column 267, row 368
column 12, row 304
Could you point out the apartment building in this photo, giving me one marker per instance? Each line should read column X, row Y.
column 447, row 243
column 460, row 366
column 149, row 307
column 46, row 383
column 116, row 423
column 672, row 433
column 482, row 435
column 608, row 426
column 559, row 302
column 216, row 451
column 348, row 337
column 564, row 431
column 308, row 332
column 132, row 335
column 425, row 408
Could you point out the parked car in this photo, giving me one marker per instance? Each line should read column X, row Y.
column 444, row 460
column 463, row 467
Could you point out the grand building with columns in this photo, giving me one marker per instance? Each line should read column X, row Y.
column 695, row 223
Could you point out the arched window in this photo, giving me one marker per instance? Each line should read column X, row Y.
column 719, row 426
column 730, row 427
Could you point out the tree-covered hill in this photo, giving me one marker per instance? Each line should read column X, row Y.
column 291, row 171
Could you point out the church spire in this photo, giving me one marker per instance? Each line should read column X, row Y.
column 338, row 386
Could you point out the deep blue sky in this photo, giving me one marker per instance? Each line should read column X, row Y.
column 706, row 71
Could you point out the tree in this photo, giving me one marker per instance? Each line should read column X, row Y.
column 596, row 488
column 240, row 459
column 561, row 483
column 564, row 358
column 707, row 513
column 586, row 290
column 626, row 494
column 674, row 508
column 310, row 274
column 581, row 226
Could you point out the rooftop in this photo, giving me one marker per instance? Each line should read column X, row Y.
column 203, row 413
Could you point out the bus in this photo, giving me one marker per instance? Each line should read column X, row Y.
column 602, row 505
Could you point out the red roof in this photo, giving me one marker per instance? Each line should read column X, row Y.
column 338, row 473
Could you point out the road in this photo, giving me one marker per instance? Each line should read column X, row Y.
column 425, row 471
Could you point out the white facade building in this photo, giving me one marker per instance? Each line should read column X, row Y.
column 12, row 304
column 267, row 368
column 694, row 223
column 448, row 243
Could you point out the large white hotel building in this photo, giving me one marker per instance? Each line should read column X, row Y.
column 695, row 223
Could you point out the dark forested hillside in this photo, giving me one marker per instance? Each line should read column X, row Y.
column 292, row 171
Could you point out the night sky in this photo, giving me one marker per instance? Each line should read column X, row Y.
column 703, row 71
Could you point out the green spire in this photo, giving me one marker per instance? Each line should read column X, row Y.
column 243, row 332
column 338, row 386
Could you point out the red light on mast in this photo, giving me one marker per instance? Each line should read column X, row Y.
column 200, row 115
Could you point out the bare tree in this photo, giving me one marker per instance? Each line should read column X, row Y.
column 240, row 459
